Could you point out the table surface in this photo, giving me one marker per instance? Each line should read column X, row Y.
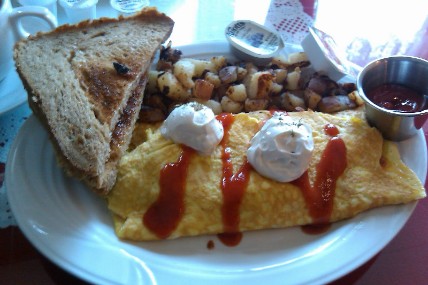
column 365, row 29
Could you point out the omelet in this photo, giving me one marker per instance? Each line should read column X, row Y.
column 165, row 190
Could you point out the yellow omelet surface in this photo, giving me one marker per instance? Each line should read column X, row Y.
column 375, row 176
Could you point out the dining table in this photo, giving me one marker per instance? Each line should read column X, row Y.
column 364, row 30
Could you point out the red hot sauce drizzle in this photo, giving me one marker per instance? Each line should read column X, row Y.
column 331, row 130
column 233, row 188
column 320, row 197
column 163, row 216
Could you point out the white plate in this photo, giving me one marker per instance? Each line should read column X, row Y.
column 12, row 92
column 73, row 228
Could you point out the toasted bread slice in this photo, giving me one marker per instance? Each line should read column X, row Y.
column 85, row 82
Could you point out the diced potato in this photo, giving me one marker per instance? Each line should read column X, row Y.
column 241, row 72
column 172, row 88
column 251, row 68
column 215, row 106
column 255, row 105
column 297, row 57
column 312, row 99
column 332, row 104
column 285, row 83
column 237, row 93
column 152, row 81
column 201, row 66
column 276, row 88
column 184, row 70
column 281, row 61
column 213, row 78
column 218, row 62
column 260, row 85
column 291, row 102
column 230, row 106
column 280, row 75
column 355, row 96
column 203, row 89
column 228, row 74
column 293, row 79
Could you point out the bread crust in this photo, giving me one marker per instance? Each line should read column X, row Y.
column 88, row 107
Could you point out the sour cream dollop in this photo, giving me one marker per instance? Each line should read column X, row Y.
column 282, row 149
column 195, row 126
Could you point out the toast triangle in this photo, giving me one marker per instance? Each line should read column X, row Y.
column 85, row 82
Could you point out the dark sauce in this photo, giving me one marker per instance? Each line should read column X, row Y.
column 397, row 98
column 210, row 244
column 230, row 239
column 316, row 229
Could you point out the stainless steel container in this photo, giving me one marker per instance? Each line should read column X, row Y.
column 409, row 71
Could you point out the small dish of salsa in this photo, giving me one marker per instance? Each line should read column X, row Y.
column 397, row 98
column 395, row 92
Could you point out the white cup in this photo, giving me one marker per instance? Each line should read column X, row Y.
column 11, row 30
column 49, row 4
column 79, row 10
column 128, row 7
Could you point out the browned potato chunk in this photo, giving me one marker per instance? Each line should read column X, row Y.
column 291, row 102
column 213, row 78
column 293, row 79
column 228, row 74
column 237, row 93
column 354, row 96
column 260, row 85
column 332, row 104
column 172, row 88
column 203, row 89
column 230, row 106
column 280, row 75
column 184, row 70
column 312, row 99
column 252, row 105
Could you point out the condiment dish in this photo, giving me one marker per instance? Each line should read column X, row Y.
column 388, row 114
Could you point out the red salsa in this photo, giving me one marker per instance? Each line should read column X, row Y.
column 398, row 98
